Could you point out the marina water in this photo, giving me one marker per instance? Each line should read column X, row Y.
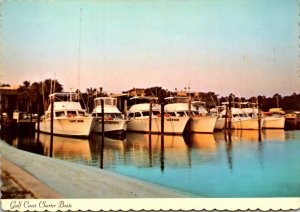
column 243, row 164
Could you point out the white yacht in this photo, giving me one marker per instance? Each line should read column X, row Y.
column 200, row 121
column 274, row 119
column 69, row 118
column 240, row 120
column 114, row 121
column 139, row 120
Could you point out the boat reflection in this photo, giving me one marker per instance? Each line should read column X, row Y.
column 66, row 147
column 147, row 151
column 251, row 135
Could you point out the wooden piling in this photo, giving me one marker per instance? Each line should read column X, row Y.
column 38, row 122
column 102, row 116
column 103, row 132
column 229, row 112
column 150, row 117
column 259, row 112
column 150, row 150
column 226, row 117
column 51, row 124
column 162, row 128
column 190, row 107
column 162, row 154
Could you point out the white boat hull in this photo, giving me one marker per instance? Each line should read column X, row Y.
column 172, row 125
column 75, row 126
column 240, row 124
column 246, row 124
column 220, row 124
column 203, row 124
column 111, row 126
column 273, row 123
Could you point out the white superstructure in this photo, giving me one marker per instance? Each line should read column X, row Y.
column 69, row 119
column 114, row 121
column 139, row 121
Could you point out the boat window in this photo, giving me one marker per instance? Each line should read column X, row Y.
column 81, row 113
column 235, row 115
column 94, row 114
column 223, row 116
column 172, row 113
column 130, row 115
column 145, row 113
column 155, row 112
column 181, row 113
column 195, row 112
column 60, row 114
column 71, row 113
column 137, row 114
column 116, row 115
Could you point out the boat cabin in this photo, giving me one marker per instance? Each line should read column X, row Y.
column 111, row 112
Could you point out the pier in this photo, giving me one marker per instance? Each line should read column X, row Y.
column 77, row 181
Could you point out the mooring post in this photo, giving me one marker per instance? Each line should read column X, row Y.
column 150, row 117
column 259, row 105
column 229, row 112
column 51, row 124
column 259, row 112
column 38, row 121
column 125, row 107
column 103, row 132
column 226, row 117
column 102, row 116
column 150, row 150
column 162, row 119
column 190, row 107
column 162, row 154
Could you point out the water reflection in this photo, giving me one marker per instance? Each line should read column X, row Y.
column 229, row 162
column 251, row 135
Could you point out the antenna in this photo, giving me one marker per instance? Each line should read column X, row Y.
column 79, row 50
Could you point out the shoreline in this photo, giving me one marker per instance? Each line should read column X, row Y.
column 38, row 175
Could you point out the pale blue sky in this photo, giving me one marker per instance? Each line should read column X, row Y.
column 245, row 47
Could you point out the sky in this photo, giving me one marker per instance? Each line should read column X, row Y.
column 245, row 47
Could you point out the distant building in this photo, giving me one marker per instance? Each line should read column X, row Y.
column 8, row 100
column 135, row 92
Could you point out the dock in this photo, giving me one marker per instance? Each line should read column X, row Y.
column 78, row 181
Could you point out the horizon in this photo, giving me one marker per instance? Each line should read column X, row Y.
column 247, row 48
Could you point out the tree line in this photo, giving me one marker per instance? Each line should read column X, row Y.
column 33, row 97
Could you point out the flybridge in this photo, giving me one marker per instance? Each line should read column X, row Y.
column 64, row 96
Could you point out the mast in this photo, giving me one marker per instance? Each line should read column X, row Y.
column 79, row 52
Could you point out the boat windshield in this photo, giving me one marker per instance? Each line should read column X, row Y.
column 172, row 113
column 71, row 113
column 60, row 114
column 156, row 112
column 81, row 113
column 181, row 113
column 195, row 112
column 145, row 113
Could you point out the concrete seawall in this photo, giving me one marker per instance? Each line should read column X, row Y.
column 53, row 178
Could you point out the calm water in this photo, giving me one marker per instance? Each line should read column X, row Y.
column 207, row 165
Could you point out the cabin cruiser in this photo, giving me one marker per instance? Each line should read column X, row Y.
column 114, row 121
column 139, row 120
column 240, row 119
column 69, row 118
column 274, row 119
column 201, row 122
